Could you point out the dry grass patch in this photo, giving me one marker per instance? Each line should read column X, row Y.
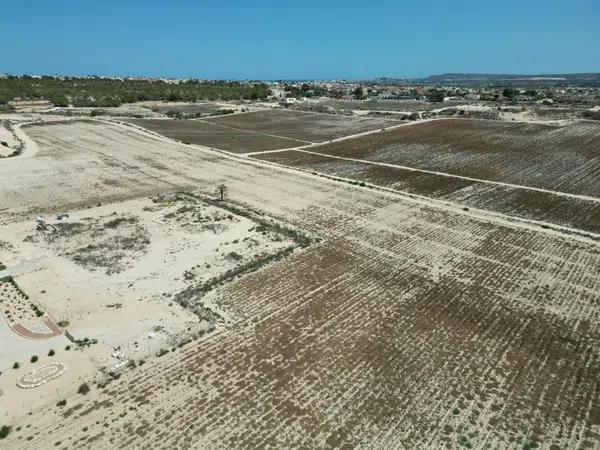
column 109, row 243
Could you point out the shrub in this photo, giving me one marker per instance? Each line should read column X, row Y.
column 68, row 347
column 34, row 358
column 4, row 431
column 16, row 365
column 84, row 388
column 59, row 100
column 51, row 353
column 62, row 402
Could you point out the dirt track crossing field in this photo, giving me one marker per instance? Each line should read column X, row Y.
column 215, row 136
column 304, row 126
column 409, row 326
column 565, row 159
column 578, row 213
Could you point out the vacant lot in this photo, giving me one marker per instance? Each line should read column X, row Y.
column 215, row 136
column 408, row 326
column 565, row 159
column 308, row 127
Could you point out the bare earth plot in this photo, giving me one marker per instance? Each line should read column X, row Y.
column 409, row 326
column 83, row 163
column 215, row 136
column 304, row 126
column 579, row 213
column 565, row 159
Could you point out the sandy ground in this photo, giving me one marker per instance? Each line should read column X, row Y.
column 122, row 293
column 8, row 138
column 410, row 326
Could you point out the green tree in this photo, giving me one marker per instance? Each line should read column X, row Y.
column 435, row 95
column 359, row 92
column 59, row 100
column 510, row 93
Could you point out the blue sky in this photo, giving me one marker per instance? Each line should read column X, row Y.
column 309, row 39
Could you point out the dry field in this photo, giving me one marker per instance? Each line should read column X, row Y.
column 215, row 136
column 261, row 130
column 558, row 158
column 578, row 213
column 386, row 105
column 303, row 126
column 410, row 325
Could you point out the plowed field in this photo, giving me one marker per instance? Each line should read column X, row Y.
column 565, row 159
column 408, row 326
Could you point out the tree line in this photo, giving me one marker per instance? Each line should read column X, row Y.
column 106, row 92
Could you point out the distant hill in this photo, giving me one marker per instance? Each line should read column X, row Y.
column 498, row 80
column 581, row 79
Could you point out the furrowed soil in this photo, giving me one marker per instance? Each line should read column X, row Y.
column 304, row 126
column 214, row 136
column 560, row 158
column 571, row 212
column 409, row 326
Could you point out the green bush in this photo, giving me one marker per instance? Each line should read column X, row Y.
column 4, row 431
column 59, row 100
column 34, row 358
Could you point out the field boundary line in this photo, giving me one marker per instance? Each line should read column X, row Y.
column 342, row 138
column 252, row 131
column 475, row 213
column 449, row 175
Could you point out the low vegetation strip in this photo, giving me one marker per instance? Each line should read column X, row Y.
column 106, row 92
column 290, row 238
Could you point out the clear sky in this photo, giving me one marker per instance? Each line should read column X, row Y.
column 308, row 39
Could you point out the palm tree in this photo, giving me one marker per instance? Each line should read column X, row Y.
column 222, row 191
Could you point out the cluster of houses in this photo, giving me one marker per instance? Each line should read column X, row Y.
column 368, row 91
